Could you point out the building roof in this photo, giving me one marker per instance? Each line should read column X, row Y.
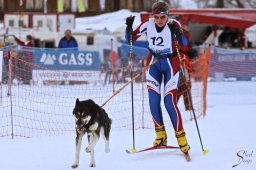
column 237, row 18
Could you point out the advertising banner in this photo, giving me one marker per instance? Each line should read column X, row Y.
column 65, row 65
column 66, row 60
column 233, row 63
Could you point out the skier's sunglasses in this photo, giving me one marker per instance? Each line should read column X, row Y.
column 160, row 17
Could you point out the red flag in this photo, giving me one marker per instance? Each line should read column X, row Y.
column 21, row 2
column 113, row 57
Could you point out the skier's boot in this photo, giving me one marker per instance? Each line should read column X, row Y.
column 161, row 136
column 182, row 141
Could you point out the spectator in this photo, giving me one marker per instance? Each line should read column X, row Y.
column 68, row 41
column 225, row 38
column 187, row 54
column 23, row 61
column 107, row 70
column 28, row 43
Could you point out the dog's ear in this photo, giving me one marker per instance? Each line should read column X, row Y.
column 77, row 101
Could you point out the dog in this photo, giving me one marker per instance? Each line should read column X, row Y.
column 90, row 118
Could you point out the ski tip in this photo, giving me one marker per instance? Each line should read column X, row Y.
column 205, row 152
column 131, row 151
column 127, row 151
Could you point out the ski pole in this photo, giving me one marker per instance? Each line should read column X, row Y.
column 131, row 70
column 189, row 94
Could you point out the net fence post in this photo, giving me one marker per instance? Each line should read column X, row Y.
column 10, row 86
column 1, row 73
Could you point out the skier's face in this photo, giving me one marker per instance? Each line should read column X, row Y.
column 160, row 19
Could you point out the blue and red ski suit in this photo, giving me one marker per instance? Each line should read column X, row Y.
column 166, row 69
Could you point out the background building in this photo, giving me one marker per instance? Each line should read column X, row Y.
column 77, row 7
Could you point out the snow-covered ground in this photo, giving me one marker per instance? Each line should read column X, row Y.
column 227, row 131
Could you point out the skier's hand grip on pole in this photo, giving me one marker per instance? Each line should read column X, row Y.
column 129, row 21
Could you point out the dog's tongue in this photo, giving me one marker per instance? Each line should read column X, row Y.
column 79, row 129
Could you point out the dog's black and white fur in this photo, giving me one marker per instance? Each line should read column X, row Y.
column 93, row 120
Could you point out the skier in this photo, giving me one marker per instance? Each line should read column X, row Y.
column 162, row 34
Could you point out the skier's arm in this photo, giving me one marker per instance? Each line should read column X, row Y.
column 142, row 29
column 177, row 31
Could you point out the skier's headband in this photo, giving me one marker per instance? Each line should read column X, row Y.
column 159, row 11
column 160, row 8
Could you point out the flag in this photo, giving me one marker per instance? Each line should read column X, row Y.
column 80, row 5
column 102, row 4
column 113, row 57
column 74, row 6
column 60, row 7
column 21, row 2
column 86, row 4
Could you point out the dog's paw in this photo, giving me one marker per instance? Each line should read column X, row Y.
column 88, row 149
column 92, row 164
column 74, row 166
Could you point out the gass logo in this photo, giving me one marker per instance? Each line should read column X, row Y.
column 244, row 156
column 67, row 59
column 48, row 59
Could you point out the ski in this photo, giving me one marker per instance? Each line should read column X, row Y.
column 153, row 148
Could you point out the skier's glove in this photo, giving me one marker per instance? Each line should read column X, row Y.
column 129, row 21
column 175, row 29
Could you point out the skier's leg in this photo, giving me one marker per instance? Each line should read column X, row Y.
column 171, row 82
column 154, row 78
